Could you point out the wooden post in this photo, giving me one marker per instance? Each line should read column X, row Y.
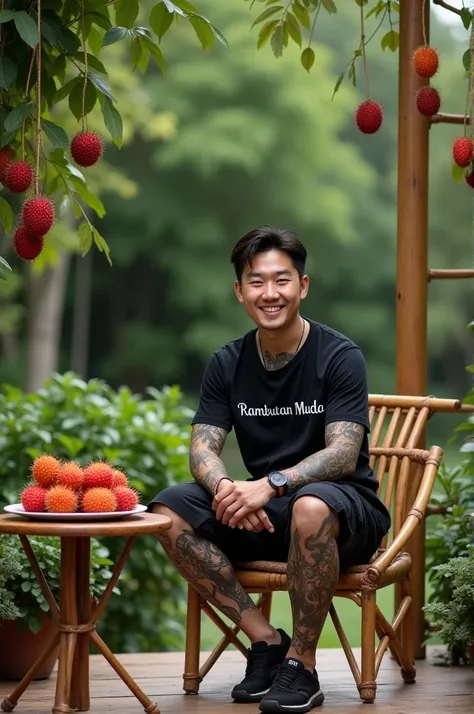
column 412, row 252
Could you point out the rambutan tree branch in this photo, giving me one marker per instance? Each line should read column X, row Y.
column 447, row 6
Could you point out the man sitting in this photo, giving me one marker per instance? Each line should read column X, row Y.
column 295, row 391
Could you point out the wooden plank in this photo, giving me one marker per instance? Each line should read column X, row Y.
column 438, row 689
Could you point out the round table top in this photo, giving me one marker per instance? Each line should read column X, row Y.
column 128, row 526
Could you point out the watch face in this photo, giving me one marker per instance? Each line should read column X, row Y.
column 277, row 478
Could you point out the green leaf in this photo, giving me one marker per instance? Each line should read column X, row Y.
column 203, row 32
column 391, row 41
column 277, row 41
column 329, row 5
column 92, row 62
column 85, row 237
column 8, row 72
column 217, row 33
column 126, row 12
column 466, row 60
column 187, row 6
column 265, row 32
column 294, row 29
column 112, row 120
column 76, row 99
column 17, row 116
column 88, row 197
column 115, row 34
column 307, row 58
column 101, row 244
column 338, row 84
column 66, row 89
column 27, row 28
column 135, row 52
column 160, row 19
column 302, row 14
column 267, row 13
column 101, row 86
column 144, row 59
column 6, row 15
column 156, row 52
column 2, row 260
column 55, row 134
column 95, row 41
column 457, row 172
column 171, row 7
column 6, row 218
column 466, row 17
column 99, row 19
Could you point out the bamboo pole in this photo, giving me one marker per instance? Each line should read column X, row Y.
column 412, row 255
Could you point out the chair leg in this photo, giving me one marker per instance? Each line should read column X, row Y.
column 191, row 677
column 368, row 684
column 407, row 639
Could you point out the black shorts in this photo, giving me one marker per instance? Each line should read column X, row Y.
column 363, row 521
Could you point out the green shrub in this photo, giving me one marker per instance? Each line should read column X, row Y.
column 148, row 438
column 21, row 587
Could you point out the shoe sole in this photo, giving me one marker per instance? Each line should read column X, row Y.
column 271, row 706
column 242, row 697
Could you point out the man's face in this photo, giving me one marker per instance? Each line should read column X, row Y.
column 271, row 290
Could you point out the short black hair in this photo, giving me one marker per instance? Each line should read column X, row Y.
column 264, row 239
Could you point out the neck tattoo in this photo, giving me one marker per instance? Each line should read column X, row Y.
column 283, row 357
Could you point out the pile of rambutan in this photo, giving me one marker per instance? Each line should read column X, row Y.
column 66, row 487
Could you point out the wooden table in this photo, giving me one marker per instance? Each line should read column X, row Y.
column 76, row 615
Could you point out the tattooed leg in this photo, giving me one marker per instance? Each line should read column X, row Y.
column 203, row 565
column 313, row 569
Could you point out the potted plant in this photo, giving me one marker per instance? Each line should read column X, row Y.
column 455, row 618
column 24, row 611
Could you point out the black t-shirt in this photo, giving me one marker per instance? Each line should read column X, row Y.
column 280, row 416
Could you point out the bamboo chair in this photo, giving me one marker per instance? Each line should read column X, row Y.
column 406, row 475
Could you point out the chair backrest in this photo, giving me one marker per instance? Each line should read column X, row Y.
column 398, row 424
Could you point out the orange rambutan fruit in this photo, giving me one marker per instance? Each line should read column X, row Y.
column 99, row 500
column 120, row 478
column 45, row 470
column 98, row 474
column 71, row 474
column 127, row 498
column 61, row 499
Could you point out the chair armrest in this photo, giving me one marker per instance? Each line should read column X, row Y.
column 416, row 514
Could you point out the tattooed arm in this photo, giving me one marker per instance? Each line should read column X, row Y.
column 338, row 459
column 206, row 446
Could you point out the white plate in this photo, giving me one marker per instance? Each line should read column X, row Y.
column 18, row 510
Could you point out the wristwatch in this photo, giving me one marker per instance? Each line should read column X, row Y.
column 279, row 482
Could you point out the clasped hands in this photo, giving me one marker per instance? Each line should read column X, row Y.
column 240, row 503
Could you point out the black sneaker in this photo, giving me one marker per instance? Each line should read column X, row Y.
column 262, row 664
column 295, row 689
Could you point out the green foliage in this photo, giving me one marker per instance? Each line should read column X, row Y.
column 3, row 265
column 53, row 58
column 147, row 437
column 455, row 617
column 449, row 558
column 9, row 569
column 24, row 595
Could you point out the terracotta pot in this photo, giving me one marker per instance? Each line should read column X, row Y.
column 20, row 648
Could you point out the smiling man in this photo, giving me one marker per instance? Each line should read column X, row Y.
column 295, row 392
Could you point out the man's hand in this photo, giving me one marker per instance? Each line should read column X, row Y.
column 256, row 522
column 236, row 500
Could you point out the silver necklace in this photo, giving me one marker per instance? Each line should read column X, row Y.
column 297, row 348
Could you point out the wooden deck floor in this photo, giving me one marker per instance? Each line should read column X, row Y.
column 439, row 690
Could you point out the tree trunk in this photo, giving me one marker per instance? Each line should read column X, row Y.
column 45, row 310
column 81, row 315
